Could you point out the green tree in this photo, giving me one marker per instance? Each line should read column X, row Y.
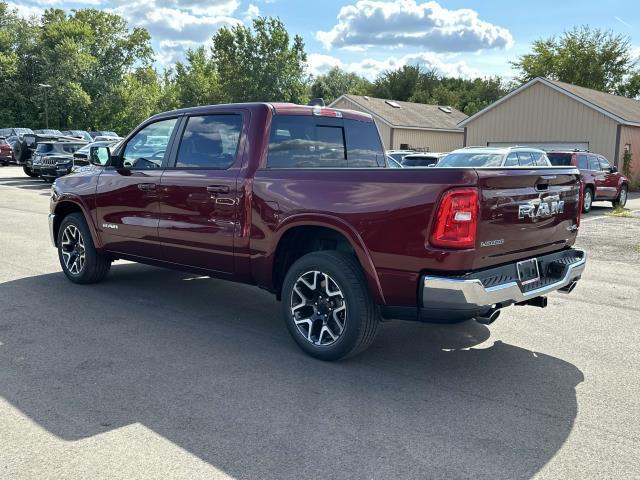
column 583, row 56
column 196, row 80
column 398, row 84
column 337, row 82
column 260, row 65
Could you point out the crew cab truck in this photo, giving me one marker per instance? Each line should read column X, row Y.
column 298, row 200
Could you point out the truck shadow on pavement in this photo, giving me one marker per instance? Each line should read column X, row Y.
column 209, row 366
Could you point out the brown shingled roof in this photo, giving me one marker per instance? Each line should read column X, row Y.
column 414, row 115
column 626, row 108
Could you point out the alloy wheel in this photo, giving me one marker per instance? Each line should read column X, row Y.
column 588, row 199
column 623, row 197
column 318, row 308
column 73, row 250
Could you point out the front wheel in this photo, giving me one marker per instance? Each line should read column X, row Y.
column 587, row 200
column 28, row 171
column 621, row 201
column 327, row 307
column 79, row 259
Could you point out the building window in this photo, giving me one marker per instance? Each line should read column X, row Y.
column 627, row 147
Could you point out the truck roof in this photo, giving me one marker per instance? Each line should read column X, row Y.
column 279, row 108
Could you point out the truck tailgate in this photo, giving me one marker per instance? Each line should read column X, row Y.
column 525, row 212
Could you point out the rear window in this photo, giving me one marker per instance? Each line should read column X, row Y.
column 525, row 159
column 322, row 142
column 419, row 161
column 471, row 160
column 560, row 159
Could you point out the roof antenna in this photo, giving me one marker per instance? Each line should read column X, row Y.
column 316, row 102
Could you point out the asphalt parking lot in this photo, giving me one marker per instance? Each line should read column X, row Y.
column 160, row 374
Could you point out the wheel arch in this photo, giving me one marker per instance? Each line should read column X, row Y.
column 66, row 207
column 303, row 234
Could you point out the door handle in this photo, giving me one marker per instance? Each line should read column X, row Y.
column 218, row 189
column 146, row 187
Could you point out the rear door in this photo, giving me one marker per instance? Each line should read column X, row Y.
column 526, row 212
column 200, row 197
column 127, row 205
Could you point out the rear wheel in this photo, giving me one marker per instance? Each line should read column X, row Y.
column 621, row 201
column 28, row 171
column 587, row 200
column 327, row 306
column 79, row 259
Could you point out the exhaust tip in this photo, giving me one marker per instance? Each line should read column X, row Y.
column 490, row 317
column 569, row 288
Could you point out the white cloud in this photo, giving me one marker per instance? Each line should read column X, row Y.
column 370, row 68
column 26, row 11
column 397, row 23
column 252, row 12
column 190, row 21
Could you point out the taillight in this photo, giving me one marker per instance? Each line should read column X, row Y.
column 456, row 219
column 580, row 203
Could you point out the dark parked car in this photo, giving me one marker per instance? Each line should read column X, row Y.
column 48, row 131
column 104, row 133
column 421, row 160
column 298, row 200
column 600, row 179
column 6, row 152
column 25, row 146
column 54, row 159
column 18, row 132
column 81, row 134
column 81, row 156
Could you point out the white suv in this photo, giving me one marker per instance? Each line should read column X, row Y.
column 495, row 157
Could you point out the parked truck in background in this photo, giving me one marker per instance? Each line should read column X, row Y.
column 298, row 200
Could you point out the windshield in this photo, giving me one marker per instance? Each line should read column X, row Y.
column 560, row 159
column 22, row 131
column 471, row 160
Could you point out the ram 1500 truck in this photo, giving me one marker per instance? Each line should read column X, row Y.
column 298, row 200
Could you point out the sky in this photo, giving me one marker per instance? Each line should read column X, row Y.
column 458, row 38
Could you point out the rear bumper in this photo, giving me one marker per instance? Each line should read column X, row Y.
column 474, row 294
column 455, row 298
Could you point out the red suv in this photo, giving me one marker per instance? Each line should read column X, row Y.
column 600, row 179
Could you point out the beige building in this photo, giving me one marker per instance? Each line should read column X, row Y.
column 407, row 125
column 549, row 114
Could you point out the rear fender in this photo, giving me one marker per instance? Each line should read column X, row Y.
column 346, row 230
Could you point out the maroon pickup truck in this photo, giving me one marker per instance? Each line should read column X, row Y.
column 298, row 200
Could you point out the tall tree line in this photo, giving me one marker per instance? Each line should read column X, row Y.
column 102, row 76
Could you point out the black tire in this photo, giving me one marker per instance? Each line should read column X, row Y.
column 587, row 199
column 28, row 171
column 20, row 150
column 621, row 201
column 361, row 318
column 95, row 266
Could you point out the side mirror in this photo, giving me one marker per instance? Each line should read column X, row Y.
column 614, row 169
column 99, row 155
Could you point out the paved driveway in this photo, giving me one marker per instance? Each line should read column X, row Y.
column 159, row 374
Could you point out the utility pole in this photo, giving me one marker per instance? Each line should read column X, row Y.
column 46, row 106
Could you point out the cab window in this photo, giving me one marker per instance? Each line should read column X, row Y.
column 605, row 165
column 593, row 163
column 210, row 141
column 148, row 148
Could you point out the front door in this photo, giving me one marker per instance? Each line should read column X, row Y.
column 199, row 194
column 610, row 183
column 127, row 197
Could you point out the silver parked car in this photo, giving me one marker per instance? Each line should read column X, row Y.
column 495, row 157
